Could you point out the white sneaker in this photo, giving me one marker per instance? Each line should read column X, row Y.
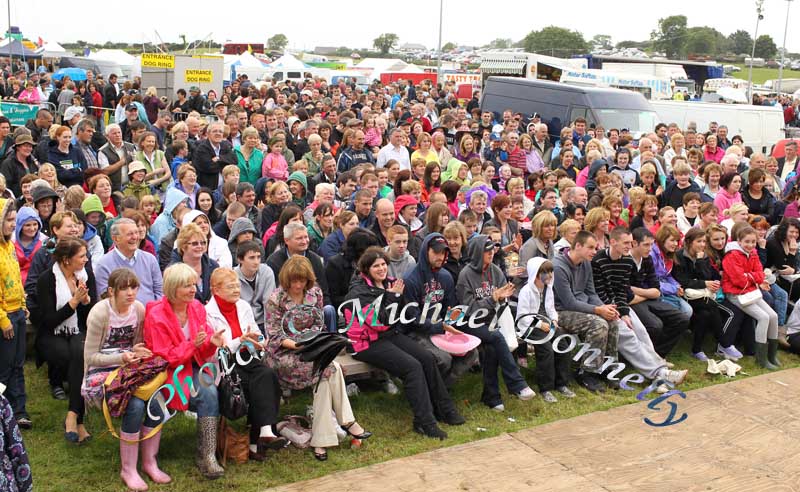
column 662, row 388
column 390, row 387
column 675, row 377
column 499, row 408
column 526, row 394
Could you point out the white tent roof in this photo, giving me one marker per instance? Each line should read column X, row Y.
column 247, row 59
column 288, row 61
column 381, row 65
column 411, row 68
column 52, row 50
column 119, row 56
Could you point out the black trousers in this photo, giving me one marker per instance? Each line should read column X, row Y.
column 67, row 351
column 665, row 324
column 794, row 342
column 406, row 359
column 552, row 368
column 721, row 319
column 263, row 393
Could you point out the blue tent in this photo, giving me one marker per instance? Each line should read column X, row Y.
column 74, row 73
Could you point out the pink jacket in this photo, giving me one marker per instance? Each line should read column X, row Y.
column 164, row 337
column 724, row 200
column 716, row 156
column 275, row 167
column 373, row 137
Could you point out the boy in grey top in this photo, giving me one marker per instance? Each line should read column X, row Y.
column 255, row 279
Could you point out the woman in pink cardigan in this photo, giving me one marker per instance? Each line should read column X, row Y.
column 176, row 329
column 728, row 194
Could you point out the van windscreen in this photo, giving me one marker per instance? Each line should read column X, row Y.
column 633, row 119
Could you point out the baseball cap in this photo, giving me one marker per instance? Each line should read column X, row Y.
column 218, row 104
column 194, row 88
column 439, row 244
column 495, row 137
column 489, row 244
column 131, row 107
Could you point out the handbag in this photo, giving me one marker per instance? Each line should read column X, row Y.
column 694, row 294
column 750, row 297
column 507, row 327
column 232, row 444
column 297, row 430
column 232, row 401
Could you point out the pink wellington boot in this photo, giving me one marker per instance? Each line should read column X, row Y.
column 149, row 449
column 129, row 455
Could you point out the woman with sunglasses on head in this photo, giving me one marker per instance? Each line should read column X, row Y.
column 191, row 249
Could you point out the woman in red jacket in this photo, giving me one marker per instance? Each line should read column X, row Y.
column 742, row 272
column 176, row 329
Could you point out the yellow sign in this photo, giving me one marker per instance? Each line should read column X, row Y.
column 158, row 60
column 199, row 76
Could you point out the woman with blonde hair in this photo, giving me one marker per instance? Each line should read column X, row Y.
column 533, row 161
column 736, row 213
column 278, row 196
column 597, row 222
column 424, row 151
column 191, row 249
column 48, row 173
column 152, row 104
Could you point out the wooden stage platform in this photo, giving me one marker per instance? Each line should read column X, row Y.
column 743, row 435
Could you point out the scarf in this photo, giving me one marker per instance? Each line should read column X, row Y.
column 70, row 325
column 228, row 310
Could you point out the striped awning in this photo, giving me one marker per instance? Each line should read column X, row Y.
column 512, row 67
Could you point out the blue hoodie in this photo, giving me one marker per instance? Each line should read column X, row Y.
column 25, row 215
column 164, row 223
column 424, row 285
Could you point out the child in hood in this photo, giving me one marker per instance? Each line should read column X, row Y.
column 28, row 238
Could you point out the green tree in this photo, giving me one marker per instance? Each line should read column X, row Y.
column 277, row 42
column 601, row 41
column 633, row 44
column 740, row 42
column 448, row 47
column 500, row 44
column 385, row 42
column 700, row 41
column 765, row 47
column 555, row 41
column 670, row 37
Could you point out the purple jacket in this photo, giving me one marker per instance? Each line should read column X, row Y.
column 667, row 284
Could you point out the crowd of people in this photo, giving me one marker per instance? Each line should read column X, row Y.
column 168, row 234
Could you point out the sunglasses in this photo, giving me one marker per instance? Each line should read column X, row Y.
column 195, row 244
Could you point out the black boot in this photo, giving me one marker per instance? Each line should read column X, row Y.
column 761, row 357
column 772, row 352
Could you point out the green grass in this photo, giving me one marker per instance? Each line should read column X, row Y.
column 761, row 75
column 61, row 466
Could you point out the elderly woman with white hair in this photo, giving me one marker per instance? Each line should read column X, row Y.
column 315, row 155
column 249, row 156
column 323, row 193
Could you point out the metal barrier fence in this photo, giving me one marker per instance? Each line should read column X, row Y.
column 18, row 113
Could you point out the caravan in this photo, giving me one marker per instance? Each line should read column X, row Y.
column 760, row 126
column 649, row 86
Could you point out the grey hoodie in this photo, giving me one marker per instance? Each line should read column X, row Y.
column 475, row 286
column 574, row 285
column 241, row 225
column 257, row 297
column 398, row 268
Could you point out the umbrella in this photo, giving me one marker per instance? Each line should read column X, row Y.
column 74, row 73
column 322, row 350
column 732, row 94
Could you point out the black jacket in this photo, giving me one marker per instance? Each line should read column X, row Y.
column 366, row 293
column 208, row 171
column 13, row 171
column 339, row 271
column 278, row 258
column 207, row 268
column 692, row 274
column 50, row 317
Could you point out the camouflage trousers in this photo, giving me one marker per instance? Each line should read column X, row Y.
column 595, row 331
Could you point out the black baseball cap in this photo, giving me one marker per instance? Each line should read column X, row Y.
column 439, row 244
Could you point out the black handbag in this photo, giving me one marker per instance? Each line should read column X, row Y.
column 232, row 402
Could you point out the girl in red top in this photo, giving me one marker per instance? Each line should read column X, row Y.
column 743, row 273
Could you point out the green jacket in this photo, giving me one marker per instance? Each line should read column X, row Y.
column 249, row 170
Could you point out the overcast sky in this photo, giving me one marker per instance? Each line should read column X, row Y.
column 310, row 23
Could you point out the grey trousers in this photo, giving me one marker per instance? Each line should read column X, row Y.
column 635, row 346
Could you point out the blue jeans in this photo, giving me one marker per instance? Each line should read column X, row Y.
column 135, row 412
column 329, row 315
column 206, row 403
column 12, row 361
column 778, row 300
column 495, row 354
column 678, row 303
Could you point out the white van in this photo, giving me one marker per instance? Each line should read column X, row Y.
column 760, row 126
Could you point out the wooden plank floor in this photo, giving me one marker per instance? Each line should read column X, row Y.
column 740, row 436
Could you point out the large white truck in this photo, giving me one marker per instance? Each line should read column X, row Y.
column 760, row 126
